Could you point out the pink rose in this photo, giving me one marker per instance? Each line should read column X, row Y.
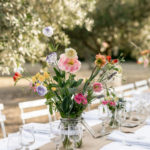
column 80, row 98
column 71, row 65
column 97, row 87
column 112, row 103
column 104, row 102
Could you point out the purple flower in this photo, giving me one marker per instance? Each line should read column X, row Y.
column 48, row 31
column 51, row 58
column 41, row 90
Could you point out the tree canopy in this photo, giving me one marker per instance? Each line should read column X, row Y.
column 89, row 26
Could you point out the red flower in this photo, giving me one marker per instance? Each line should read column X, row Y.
column 16, row 76
column 115, row 61
column 108, row 58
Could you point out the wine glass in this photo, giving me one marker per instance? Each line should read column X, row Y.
column 75, row 133
column 27, row 136
column 14, row 142
column 58, row 135
column 104, row 116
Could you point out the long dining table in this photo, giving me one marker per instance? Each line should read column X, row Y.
column 90, row 143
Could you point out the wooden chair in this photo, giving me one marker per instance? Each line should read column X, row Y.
column 34, row 113
column 2, row 119
column 141, row 85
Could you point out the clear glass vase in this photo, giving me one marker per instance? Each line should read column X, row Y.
column 66, row 122
column 113, row 120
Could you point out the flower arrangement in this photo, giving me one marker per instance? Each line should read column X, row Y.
column 144, row 58
column 62, row 89
column 114, row 104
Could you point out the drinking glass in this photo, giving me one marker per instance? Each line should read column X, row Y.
column 104, row 116
column 75, row 134
column 27, row 136
column 14, row 142
column 121, row 117
column 58, row 136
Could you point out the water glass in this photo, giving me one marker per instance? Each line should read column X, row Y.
column 14, row 142
column 57, row 135
column 27, row 136
column 104, row 116
column 121, row 117
column 75, row 134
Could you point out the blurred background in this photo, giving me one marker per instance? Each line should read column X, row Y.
column 90, row 26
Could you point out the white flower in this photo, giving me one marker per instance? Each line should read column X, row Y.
column 18, row 69
column 48, row 31
column 51, row 58
column 71, row 53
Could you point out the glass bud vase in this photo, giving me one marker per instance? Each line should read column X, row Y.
column 113, row 120
column 66, row 122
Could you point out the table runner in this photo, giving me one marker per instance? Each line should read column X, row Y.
column 89, row 143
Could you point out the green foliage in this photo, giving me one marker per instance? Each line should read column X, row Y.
column 117, row 23
column 21, row 24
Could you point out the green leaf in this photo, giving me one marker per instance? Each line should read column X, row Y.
column 58, row 74
column 72, row 90
column 77, row 83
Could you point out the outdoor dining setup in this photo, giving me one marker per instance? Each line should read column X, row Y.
column 120, row 120
column 130, row 130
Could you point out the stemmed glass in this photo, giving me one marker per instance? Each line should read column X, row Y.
column 57, row 133
column 75, row 133
column 14, row 142
column 27, row 136
column 104, row 116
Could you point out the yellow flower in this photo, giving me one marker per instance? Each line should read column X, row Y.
column 70, row 53
column 46, row 75
column 53, row 89
column 33, row 79
column 41, row 78
column 38, row 84
column 116, row 99
column 37, row 75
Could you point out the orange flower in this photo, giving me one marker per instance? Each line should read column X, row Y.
column 108, row 58
column 145, row 52
column 100, row 60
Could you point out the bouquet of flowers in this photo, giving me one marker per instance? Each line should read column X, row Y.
column 114, row 104
column 62, row 89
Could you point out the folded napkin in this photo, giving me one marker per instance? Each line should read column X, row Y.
column 147, row 121
column 144, row 131
column 91, row 115
column 43, row 128
column 129, row 139
column 120, row 146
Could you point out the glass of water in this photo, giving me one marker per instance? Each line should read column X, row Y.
column 14, row 142
column 27, row 136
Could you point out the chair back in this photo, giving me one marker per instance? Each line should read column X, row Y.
column 124, row 88
column 2, row 120
column 141, row 85
column 35, row 113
